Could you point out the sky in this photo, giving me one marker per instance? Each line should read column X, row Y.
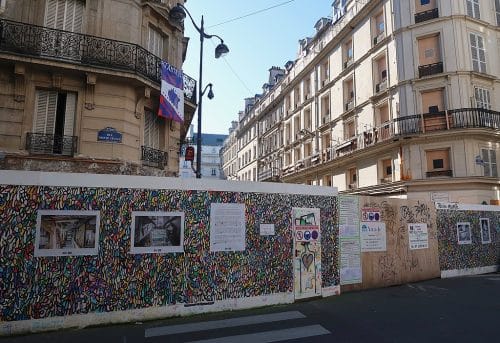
column 256, row 43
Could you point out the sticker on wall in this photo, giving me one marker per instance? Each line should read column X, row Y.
column 307, row 252
column 418, row 236
column 157, row 232
column 484, row 224
column 67, row 233
column 369, row 214
column 227, row 227
column 266, row 229
column 464, row 233
column 373, row 237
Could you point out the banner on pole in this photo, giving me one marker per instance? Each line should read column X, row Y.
column 172, row 93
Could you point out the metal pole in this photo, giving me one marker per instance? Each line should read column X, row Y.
column 200, row 100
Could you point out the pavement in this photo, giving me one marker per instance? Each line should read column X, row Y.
column 465, row 309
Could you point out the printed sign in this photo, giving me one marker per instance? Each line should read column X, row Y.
column 370, row 214
column 267, row 229
column 418, row 236
column 373, row 237
column 109, row 134
column 227, row 227
column 464, row 234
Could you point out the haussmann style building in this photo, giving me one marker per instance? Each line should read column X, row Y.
column 393, row 98
column 80, row 86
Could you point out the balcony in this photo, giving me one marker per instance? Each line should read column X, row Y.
column 426, row 15
column 439, row 173
column 430, row 69
column 50, row 144
column 377, row 39
column 348, row 63
column 380, row 87
column 80, row 49
column 349, row 105
column 457, row 119
column 154, row 157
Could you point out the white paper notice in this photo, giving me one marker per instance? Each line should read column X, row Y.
column 418, row 235
column 267, row 229
column 350, row 262
column 373, row 236
column 348, row 217
column 227, row 227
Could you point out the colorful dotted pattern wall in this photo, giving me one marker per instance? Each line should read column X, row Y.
column 39, row 287
column 454, row 256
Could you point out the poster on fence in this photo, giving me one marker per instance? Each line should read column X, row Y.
column 373, row 237
column 67, row 233
column 350, row 245
column 157, row 232
column 418, row 236
column 227, row 227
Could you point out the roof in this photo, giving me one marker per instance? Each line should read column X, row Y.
column 211, row 139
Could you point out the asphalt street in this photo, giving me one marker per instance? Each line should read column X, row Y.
column 463, row 309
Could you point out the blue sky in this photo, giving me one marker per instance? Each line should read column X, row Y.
column 256, row 43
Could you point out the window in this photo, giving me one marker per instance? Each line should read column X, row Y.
column 497, row 11
column 478, row 53
column 155, row 42
column 64, row 15
column 489, row 162
column 54, row 113
column 473, row 9
column 482, row 98
column 428, row 50
column 214, row 172
column 386, row 165
column 348, row 54
column 352, row 178
column 438, row 163
column 433, row 101
column 151, row 130
column 378, row 27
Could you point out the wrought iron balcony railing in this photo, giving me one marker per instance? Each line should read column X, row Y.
column 430, row 69
column 154, row 157
column 42, row 42
column 50, row 144
column 439, row 173
column 426, row 15
column 462, row 118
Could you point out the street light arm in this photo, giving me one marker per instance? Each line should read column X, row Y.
column 199, row 29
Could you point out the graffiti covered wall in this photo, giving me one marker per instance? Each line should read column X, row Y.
column 387, row 257
column 37, row 287
column 469, row 238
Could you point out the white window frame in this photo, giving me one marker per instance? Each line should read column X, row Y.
column 482, row 98
column 473, row 9
column 477, row 48
column 489, row 162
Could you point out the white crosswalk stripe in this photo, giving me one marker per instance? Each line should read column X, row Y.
column 258, row 336
column 271, row 336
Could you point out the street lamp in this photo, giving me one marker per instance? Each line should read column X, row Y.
column 178, row 14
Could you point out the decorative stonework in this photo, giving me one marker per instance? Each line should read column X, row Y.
column 19, row 82
column 90, row 91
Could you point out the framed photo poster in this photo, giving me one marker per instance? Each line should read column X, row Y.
column 463, row 233
column 484, row 224
column 157, row 232
column 67, row 233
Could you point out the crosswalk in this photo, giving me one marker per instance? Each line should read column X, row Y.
column 249, row 329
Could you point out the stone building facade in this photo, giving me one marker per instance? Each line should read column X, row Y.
column 80, row 86
column 394, row 98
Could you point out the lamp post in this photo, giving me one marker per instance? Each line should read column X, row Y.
column 178, row 14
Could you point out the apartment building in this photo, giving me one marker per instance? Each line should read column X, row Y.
column 229, row 154
column 393, row 98
column 211, row 158
column 80, row 86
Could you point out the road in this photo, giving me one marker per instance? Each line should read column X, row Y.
column 463, row 309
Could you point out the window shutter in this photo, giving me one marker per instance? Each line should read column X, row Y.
column 486, row 161
column 493, row 163
column 45, row 112
column 50, row 13
column 65, row 15
column 69, row 114
column 147, row 126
